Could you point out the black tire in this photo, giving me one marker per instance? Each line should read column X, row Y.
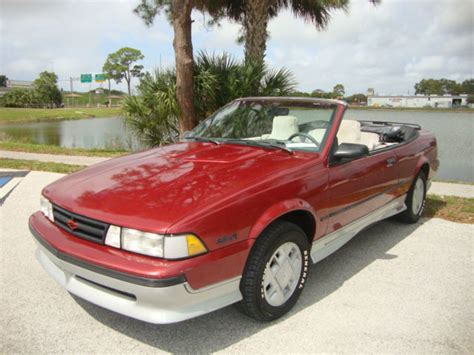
column 409, row 215
column 254, row 303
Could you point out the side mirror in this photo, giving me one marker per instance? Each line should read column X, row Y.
column 349, row 151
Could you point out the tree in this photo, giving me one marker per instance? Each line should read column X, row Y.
column 120, row 65
column 3, row 81
column 255, row 16
column 20, row 97
column 467, row 86
column 338, row 90
column 357, row 99
column 438, row 87
column 153, row 114
column 46, row 89
column 179, row 13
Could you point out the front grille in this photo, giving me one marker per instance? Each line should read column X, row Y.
column 84, row 227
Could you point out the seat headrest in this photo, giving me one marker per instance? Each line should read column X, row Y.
column 283, row 127
column 350, row 130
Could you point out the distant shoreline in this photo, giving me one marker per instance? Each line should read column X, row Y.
column 9, row 115
column 421, row 109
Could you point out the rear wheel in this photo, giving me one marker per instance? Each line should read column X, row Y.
column 276, row 271
column 415, row 200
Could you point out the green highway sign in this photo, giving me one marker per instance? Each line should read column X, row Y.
column 100, row 78
column 86, row 78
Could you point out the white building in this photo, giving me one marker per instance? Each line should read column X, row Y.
column 445, row 101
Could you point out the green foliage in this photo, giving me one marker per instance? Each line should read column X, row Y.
column 120, row 65
column 470, row 99
column 357, row 99
column 218, row 79
column 3, row 81
column 229, row 79
column 443, row 86
column 153, row 114
column 147, row 10
column 339, row 90
column 467, row 86
column 46, row 89
column 19, row 97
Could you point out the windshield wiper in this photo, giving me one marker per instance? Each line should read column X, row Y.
column 276, row 145
column 204, row 139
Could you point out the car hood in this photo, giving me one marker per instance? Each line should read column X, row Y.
column 154, row 189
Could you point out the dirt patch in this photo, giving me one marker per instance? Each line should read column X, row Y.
column 455, row 209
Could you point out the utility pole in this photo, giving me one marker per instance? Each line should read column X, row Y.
column 110, row 93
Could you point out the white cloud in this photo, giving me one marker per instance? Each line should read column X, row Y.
column 389, row 47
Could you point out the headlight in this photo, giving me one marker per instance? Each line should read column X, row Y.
column 152, row 244
column 47, row 208
column 142, row 242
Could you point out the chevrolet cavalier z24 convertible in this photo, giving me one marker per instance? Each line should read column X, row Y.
column 234, row 213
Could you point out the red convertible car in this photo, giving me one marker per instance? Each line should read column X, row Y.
column 235, row 212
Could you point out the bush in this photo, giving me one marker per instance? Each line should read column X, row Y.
column 218, row 79
column 20, row 98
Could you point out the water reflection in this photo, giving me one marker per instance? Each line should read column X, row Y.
column 89, row 133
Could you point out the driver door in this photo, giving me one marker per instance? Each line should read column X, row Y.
column 360, row 186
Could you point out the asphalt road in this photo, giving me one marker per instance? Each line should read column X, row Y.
column 394, row 288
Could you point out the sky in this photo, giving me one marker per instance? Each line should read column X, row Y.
column 389, row 47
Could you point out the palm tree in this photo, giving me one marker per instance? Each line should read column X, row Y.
column 218, row 79
column 179, row 14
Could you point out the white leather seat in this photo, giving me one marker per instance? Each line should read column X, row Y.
column 349, row 132
column 283, row 127
column 371, row 140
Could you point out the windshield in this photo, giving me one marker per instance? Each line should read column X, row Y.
column 287, row 124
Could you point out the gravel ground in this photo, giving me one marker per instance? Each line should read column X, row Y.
column 393, row 288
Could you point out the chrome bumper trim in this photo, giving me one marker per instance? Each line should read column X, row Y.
column 159, row 305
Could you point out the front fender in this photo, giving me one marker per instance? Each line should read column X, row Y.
column 278, row 210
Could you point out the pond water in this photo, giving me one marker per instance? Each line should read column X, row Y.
column 103, row 133
column 454, row 131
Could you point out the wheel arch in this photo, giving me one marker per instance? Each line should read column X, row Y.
column 296, row 211
column 423, row 165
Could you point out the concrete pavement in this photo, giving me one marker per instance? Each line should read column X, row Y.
column 394, row 288
column 55, row 158
column 450, row 189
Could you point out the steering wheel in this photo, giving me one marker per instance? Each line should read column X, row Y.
column 305, row 135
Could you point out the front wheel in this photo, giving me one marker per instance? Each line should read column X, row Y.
column 415, row 201
column 276, row 272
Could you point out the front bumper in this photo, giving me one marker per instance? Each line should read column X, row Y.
column 162, row 301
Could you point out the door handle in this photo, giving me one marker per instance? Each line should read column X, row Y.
column 390, row 161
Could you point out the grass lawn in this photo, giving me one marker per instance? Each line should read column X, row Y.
column 39, row 165
column 15, row 115
column 53, row 149
column 455, row 209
